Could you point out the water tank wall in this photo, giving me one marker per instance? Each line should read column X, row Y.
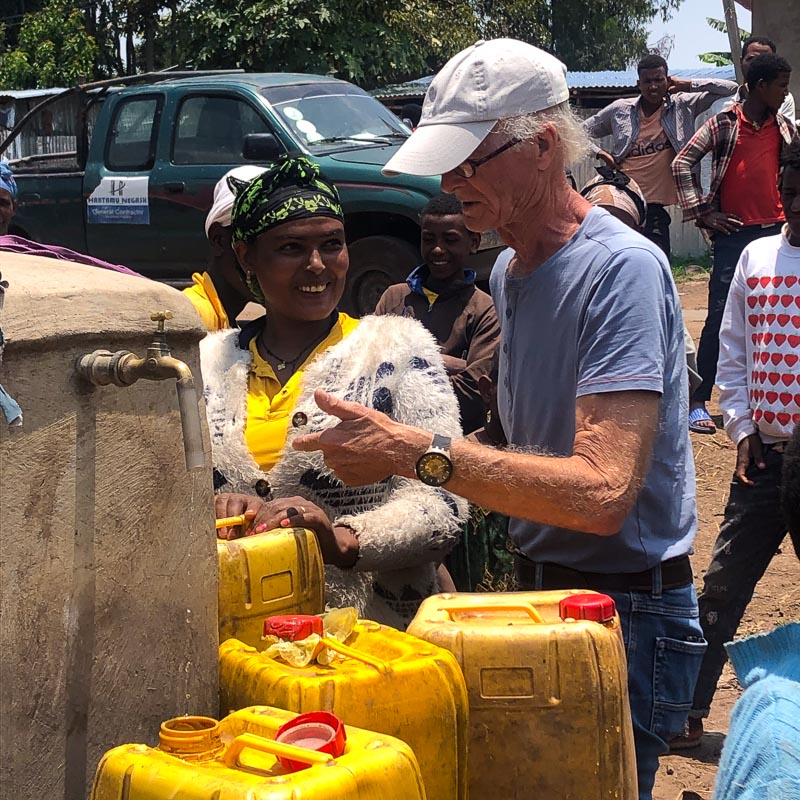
column 108, row 566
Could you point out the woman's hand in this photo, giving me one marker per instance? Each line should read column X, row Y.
column 338, row 544
column 236, row 505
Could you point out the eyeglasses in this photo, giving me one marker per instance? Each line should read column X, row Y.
column 469, row 167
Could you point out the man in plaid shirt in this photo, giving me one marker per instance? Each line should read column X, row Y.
column 743, row 203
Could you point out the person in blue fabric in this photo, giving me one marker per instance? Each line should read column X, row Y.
column 599, row 477
column 442, row 295
column 8, row 197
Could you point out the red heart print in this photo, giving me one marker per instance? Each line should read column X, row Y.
column 783, row 319
column 794, row 340
column 787, row 379
column 796, row 319
column 796, row 419
column 787, row 300
column 770, row 318
column 765, row 281
column 797, row 399
column 786, row 398
column 774, row 377
column 790, row 281
column 762, row 377
column 776, row 358
column 755, row 338
column 780, row 338
column 777, row 281
column 752, row 283
column 752, row 300
column 767, row 338
column 771, row 397
column 791, row 359
column 762, row 300
column 769, row 416
column 753, row 320
column 797, row 301
column 773, row 300
column 783, row 417
column 757, row 414
column 764, row 357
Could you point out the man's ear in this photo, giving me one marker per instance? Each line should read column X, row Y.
column 474, row 241
column 218, row 238
column 547, row 145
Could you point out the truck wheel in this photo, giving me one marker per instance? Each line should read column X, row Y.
column 376, row 262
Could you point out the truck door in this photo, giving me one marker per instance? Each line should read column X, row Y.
column 206, row 131
column 116, row 184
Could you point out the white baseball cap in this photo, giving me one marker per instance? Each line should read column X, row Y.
column 487, row 82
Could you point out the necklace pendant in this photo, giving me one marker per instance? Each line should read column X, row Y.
column 281, row 366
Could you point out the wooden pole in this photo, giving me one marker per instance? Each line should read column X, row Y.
column 733, row 37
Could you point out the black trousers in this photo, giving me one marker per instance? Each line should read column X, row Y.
column 656, row 227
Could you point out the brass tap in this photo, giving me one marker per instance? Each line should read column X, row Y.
column 123, row 368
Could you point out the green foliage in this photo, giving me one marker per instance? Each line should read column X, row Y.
column 53, row 49
column 721, row 59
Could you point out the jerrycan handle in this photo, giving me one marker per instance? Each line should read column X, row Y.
column 250, row 740
column 524, row 607
column 343, row 649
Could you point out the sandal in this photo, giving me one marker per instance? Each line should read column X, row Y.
column 701, row 415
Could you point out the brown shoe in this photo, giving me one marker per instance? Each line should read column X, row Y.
column 690, row 737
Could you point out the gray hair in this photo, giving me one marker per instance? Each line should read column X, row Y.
column 571, row 133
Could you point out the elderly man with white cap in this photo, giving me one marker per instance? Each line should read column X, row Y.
column 593, row 395
column 219, row 294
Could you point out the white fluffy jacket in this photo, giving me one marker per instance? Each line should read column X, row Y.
column 403, row 527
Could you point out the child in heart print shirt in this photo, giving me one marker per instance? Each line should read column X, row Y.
column 758, row 375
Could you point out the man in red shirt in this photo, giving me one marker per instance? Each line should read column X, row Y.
column 743, row 203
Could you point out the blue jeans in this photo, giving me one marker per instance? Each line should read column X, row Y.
column 726, row 249
column 664, row 645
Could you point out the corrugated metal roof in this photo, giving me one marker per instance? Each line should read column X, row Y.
column 24, row 94
column 605, row 79
column 608, row 79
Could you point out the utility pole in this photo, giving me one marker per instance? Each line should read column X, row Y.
column 732, row 24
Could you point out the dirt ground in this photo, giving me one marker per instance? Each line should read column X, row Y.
column 777, row 597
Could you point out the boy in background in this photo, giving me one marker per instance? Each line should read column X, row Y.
column 442, row 295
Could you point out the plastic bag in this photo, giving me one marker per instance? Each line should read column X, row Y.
column 338, row 623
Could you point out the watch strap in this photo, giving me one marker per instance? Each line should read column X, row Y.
column 441, row 442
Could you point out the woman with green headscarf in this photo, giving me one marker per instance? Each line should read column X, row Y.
column 380, row 543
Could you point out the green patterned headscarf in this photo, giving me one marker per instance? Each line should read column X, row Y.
column 291, row 190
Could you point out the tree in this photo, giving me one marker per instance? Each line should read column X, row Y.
column 721, row 59
column 584, row 34
column 53, row 49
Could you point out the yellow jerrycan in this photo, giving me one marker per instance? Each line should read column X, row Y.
column 547, row 685
column 277, row 572
column 384, row 680
column 237, row 758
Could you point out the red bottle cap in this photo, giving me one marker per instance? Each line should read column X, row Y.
column 317, row 730
column 292, row 627
column 594, row 607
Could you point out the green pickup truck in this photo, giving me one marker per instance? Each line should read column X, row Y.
column 140, row 182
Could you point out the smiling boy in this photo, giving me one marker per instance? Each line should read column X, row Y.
column 442, row 295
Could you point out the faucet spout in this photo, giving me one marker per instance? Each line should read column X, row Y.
column 124, row 368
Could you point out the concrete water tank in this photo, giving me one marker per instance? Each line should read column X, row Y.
column 108, row 565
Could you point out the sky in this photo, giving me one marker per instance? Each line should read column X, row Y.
column 692, row 33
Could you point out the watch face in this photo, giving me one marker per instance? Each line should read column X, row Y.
column 434, row 469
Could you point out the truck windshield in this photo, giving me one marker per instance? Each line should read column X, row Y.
column 332, row 116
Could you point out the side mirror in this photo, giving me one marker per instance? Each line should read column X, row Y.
column 261, row 147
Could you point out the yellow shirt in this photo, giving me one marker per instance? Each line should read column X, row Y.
column 270, row 405
column 207, row 302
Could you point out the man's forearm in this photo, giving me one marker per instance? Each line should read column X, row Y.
column 565, row 492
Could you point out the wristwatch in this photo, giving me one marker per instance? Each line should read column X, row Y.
column 434, row 467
